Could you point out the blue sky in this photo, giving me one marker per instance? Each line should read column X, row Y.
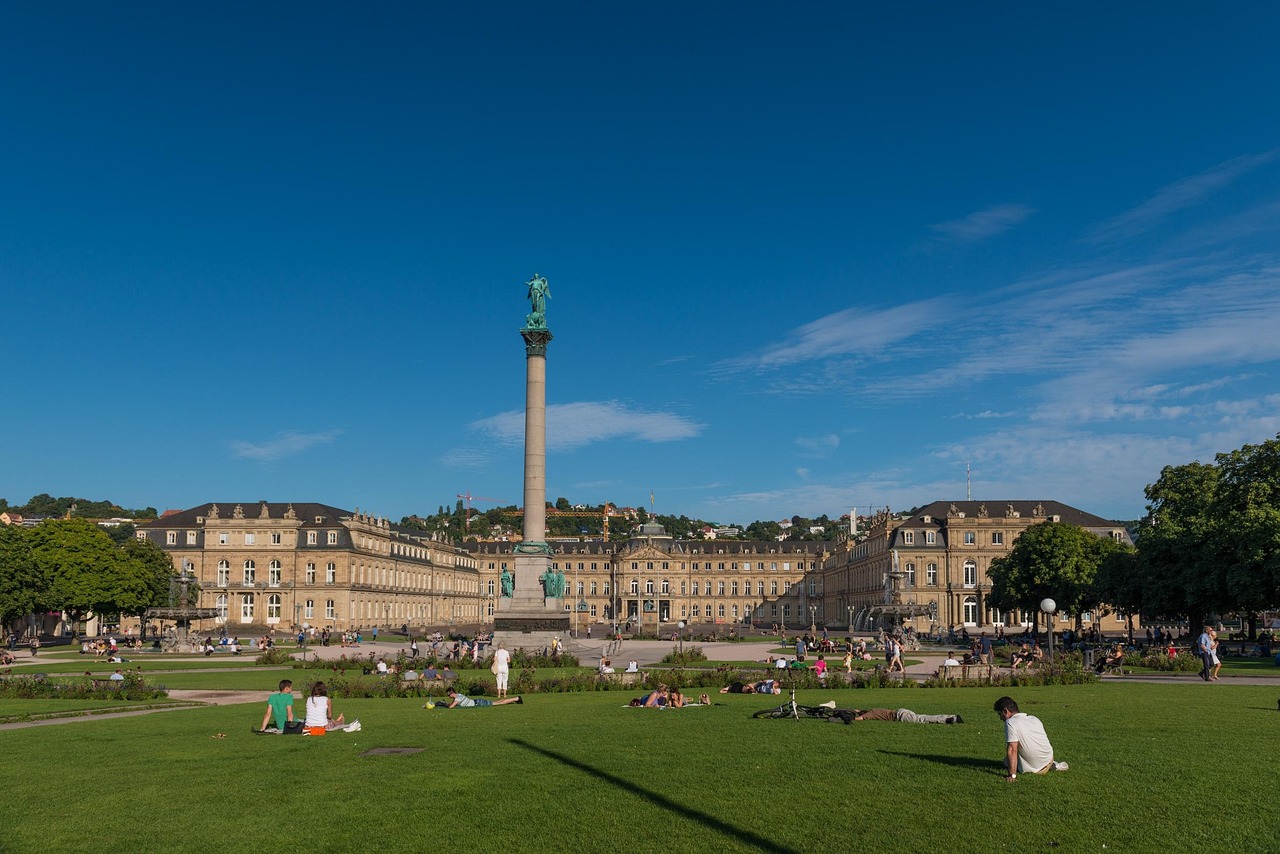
column 799, row 260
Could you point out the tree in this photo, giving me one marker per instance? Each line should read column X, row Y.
column 80, row 565
column 21, row 585
column 1177, row 562
column 1052, row 560
column 122, row 534
column 1246, row 512
column 146, row 573
column 562, row 504
column 763, row 531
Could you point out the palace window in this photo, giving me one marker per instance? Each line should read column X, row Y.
column 249, row 539
column 970, row 538
column 970, row 610
column 221, row 605
column 311, row 573
column 329, row 611
column 931, row 574
column 224, row 573
column 250, row 572
column 246, row 607
column 930, row 538
column 224, row 538
column 311, row 538
column 666, row 586
column 908, row 538
column 720, row 590
column 171, row 538
column 333, row 538
column 911, row 575
column 331, row 573
column 274, row 573
column 635, row 586
column 309, row 609
column 191, row 538
column 273, row 606
column 970, row 574
column 997, row 538
column 276, row 539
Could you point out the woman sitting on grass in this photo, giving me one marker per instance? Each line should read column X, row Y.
column 320, row 712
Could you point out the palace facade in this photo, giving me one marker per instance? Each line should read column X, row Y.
column 265, row 565
column 940, row 555
column 653, row 581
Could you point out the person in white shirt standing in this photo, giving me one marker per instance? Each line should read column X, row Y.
column 501, row 668
column 1027, row 746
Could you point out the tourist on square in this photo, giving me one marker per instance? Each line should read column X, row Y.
column 413, row 648
column 781, row 663
column 502, row 668
column 320, row 711
column 35, row 645
column 765, row 686
column 462, row 701
column 800, row 650
column 279, row 707
column 1213, row 654
column 984, row 648
column 118, row 676
column 820, row 667
column 1027, row 746
column 1204, row 648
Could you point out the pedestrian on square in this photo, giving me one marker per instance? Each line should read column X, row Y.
column 1204, row 648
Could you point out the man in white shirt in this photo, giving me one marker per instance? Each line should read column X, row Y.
column 1027, row 746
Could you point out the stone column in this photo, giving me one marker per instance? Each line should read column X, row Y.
column 535, row 435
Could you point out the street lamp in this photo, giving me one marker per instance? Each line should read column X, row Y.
column 849, row 608
column 813, row 619
column 680, row 628
column 1049, row 607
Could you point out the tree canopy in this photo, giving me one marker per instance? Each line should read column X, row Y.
column 1051, row 560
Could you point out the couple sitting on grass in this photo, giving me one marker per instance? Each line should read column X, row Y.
column 319, row 718
column 667, row 698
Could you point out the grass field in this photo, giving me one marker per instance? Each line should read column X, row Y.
column 1177, row 767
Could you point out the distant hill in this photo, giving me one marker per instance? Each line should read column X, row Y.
column 48, row 506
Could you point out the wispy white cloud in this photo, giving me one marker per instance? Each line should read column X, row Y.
column 982, row 224
column 466, row 458
column 284, row 444
column 853, row 331
column 1178, row 195
column 985, row 414
column 818, row 446
column 573, row 425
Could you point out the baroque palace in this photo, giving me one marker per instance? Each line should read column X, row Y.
column 290, row 565
column 270, row 565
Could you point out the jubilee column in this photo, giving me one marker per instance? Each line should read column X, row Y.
column 531, row 609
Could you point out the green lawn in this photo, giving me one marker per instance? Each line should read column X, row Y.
column 581, row 772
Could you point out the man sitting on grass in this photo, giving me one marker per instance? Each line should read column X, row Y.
column 1028, row 748
column 279, row 706
column 462, row 701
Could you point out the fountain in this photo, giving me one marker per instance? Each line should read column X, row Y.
column 180, row 609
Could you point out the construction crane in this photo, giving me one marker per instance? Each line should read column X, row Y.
column 468, row 496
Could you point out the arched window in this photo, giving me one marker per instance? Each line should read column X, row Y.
column 250, row 572
column 309, row 609
column 246, row 607
column 273, row 606
column 648, row 585
column 221, row 604
column 274, row 573
column 971, row 610
column 224, row 573
column 911, row 575
column 970, row 574
column 635, row 585
column 666, row 585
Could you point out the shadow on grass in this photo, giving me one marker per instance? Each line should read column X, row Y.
column 954, row 761
column 732, row 832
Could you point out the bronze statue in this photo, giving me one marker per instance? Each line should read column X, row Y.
column 539, row 293
column 508, row 583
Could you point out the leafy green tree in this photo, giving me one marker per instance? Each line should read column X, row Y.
column 1178, row 565
column 1247, row 515
column 1052, row 560
column 563, row 505
column 81, row 566
column 122, row 534
column 763, row 531
column 145, row 576
column 21, row 585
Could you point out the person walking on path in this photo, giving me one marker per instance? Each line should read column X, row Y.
column 1027, row 747
column 1204, row 647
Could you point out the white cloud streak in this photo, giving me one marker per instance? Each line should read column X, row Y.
column 573, row 425
column 284, row 444
column 1178, row 195
column 983, row 224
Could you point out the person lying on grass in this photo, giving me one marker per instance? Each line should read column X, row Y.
column 848, row 716
column 765, row 686
column 462, row 701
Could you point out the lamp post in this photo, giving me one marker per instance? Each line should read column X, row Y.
column 849, row 608
column 1049, row 607
column 813, row 619
column 680, row 629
